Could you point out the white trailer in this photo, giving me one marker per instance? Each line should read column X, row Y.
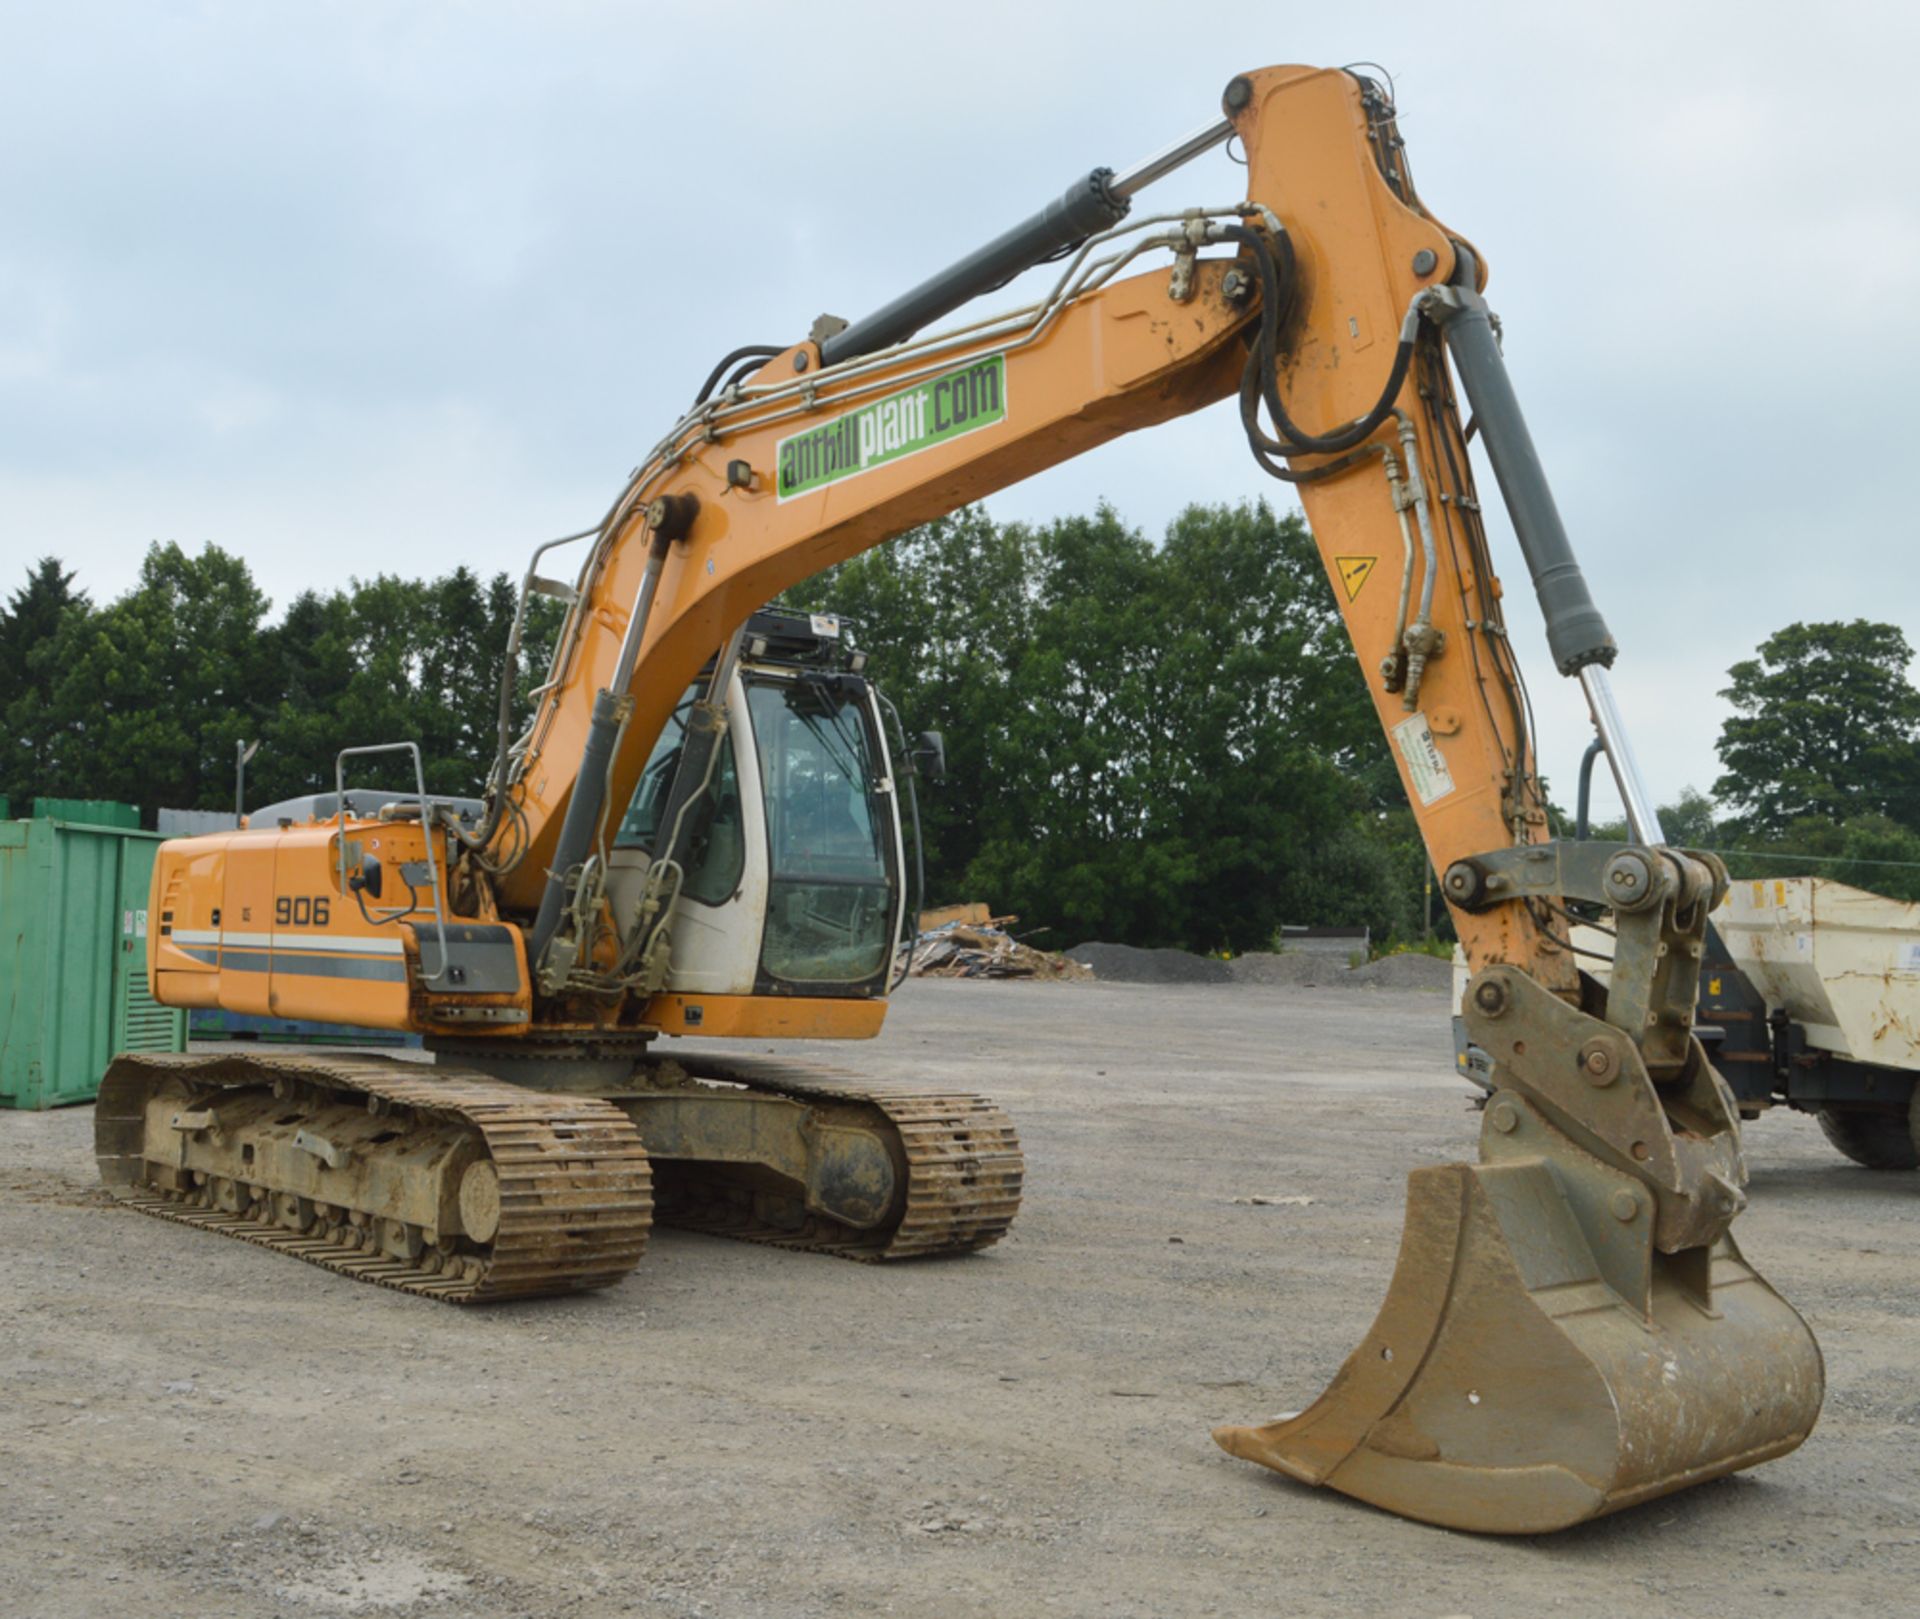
column 1842, row 963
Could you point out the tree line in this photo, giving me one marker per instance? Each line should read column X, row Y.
column 1156, row 743
column 144, row 698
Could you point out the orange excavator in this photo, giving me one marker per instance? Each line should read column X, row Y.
column 696, row 832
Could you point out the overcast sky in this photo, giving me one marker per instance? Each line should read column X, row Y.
column 380, row 287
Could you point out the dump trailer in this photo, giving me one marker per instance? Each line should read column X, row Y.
column 1829, row 977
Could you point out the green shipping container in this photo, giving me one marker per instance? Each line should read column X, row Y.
column 88, row 811
column 73, row 959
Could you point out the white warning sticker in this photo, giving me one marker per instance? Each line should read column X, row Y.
column 1426, row 765
column 1911, row 963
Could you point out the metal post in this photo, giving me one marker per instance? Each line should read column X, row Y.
column 242, row 752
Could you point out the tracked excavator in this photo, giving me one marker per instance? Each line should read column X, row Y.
column 1570, row 1328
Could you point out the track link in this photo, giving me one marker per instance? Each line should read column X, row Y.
column 576, row 1191
column 964, row 1169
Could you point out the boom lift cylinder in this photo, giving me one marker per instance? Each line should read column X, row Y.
column 669, row 519
column 582, row 821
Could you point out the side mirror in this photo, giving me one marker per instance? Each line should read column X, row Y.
column 367, row 879
column 930, row 756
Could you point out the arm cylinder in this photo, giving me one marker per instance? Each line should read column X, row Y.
column 1163, row 162
column 1088, row 205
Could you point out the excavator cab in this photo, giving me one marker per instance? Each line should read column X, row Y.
column 793, row 883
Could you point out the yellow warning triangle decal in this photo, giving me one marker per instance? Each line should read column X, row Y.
column 1354, row 572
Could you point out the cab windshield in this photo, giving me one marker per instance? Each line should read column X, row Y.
column 829, row 844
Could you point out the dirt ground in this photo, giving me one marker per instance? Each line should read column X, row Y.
column 196, row 1427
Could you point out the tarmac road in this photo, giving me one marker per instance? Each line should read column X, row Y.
column 197, row 1427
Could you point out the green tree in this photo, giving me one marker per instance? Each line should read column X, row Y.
column 945, row 612
column 1879, row 855
column 1866, row 851
column 30, row 627
column 1826, row 725
column 315, row 660
column 1155, row 744
column 1198, row 772
column 153, row 691
column 1689, row 821
column 396, row 660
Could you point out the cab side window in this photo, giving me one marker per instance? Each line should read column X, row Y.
column 716, row 862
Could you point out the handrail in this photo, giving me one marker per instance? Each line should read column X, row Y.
column 426, row 832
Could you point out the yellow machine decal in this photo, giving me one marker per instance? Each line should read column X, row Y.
column 1354, row 573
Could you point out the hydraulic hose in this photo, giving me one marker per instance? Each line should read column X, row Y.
column 748, row 351
column 1276, row 291
column 1265, row 448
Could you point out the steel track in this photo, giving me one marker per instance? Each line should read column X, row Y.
column 964, row 1168
column 576, row 1191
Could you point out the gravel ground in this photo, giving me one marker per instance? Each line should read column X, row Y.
column 1129, row 964
column 1269, row 969
column 195, row 1427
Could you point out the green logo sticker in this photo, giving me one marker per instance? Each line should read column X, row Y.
column 890, row 429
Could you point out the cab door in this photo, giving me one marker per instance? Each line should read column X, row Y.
column 833, row 837
column 717, row 921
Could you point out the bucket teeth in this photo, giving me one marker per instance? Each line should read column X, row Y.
column 1508, row 1387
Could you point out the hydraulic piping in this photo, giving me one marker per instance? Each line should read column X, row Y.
column 1422, row 640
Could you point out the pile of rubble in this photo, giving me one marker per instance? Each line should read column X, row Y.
column 984, row 949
